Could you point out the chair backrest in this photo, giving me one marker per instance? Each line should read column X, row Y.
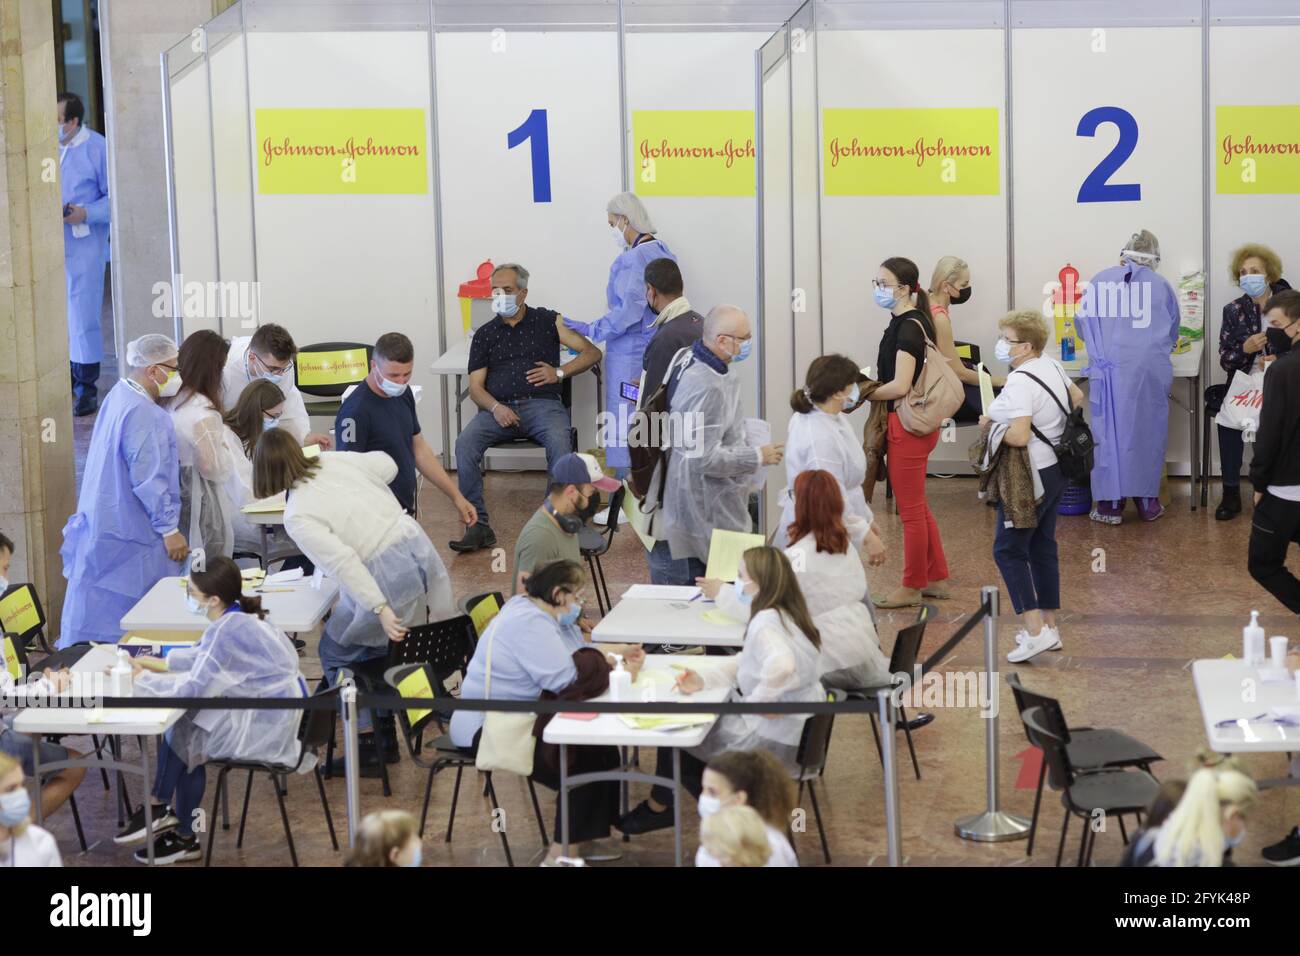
column 1052, row 713
column 967, row 350
column 907, row 645
column 326, row 369
column 482, row 613
column 615, row 509
column 14, row 656
column 1041, row 735
column 416, row 680
column 446, row 646
column 318, row 725
column 21, row 613
column 816, row 739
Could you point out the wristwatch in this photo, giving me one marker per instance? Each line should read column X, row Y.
column 380, row 608
column 559, row 373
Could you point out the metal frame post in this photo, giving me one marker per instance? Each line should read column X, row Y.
column 169, row 167
column 889, row 763
column 351, row 757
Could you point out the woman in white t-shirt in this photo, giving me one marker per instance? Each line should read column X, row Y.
column 1032, row 405
column 22, row 843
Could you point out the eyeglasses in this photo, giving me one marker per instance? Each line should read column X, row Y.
column 274, row 370
column 876, row 283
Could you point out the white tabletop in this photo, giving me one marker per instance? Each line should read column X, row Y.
column 609, row 730
column 454, row 361
column 1220, row 689
column 264, row 517
column 295, row 607
column 635, row 621
column 1186, row 364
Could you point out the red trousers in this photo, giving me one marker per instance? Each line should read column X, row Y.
column 907, row 456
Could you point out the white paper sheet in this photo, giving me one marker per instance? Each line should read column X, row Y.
column 758, row 433
column 662, row 592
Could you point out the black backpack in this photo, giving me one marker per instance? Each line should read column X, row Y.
column 646, row 454
column 1075, row 447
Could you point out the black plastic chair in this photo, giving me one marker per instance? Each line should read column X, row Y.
column 1088, row 749
column 467, row 605
column 315, row 731
column 593, row 543
column 902, row 660
column 814, row 746
column 566, row 399
column 15, row 598
column 1113, row 792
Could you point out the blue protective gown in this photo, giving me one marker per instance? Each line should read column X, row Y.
column 1129, row 321
column 627, row 328
column 83, row 167
column 130, row 496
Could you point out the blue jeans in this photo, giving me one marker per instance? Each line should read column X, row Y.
column 84, row 377
column 543, row 420
column 176, row 785
column 1027, row 556
column 664, row 569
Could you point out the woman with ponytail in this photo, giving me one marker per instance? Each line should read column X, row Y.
column 1208, row 822
column 239, row 655
column 899, row 364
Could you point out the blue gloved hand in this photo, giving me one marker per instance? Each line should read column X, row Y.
column 582, row 328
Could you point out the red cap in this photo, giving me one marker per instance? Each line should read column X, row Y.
column 480, row 288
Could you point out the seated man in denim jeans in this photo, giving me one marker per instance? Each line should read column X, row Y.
column 514, row 381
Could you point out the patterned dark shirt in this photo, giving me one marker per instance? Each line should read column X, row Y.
column 509, row 354
column 1241, row 320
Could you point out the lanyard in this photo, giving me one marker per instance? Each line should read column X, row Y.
column 139, row 388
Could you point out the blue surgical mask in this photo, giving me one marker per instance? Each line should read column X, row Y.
column 885, row 298
column 192, row 604
column 14, row 807
column 391, row 389
column 709, row 805
column 4, row 584
column 852, row 401
column 1230, row 842
column 269, row 422
column 571, row 614
column 417, row 859
column 1253, row 285
column 745, row 348
column 1002, row 351
column 742, row 595
column 505, row 304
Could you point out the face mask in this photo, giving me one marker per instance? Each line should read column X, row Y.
column 1253, row 285
column 275, row 378
column 391, row 389
column 58, row 132
column 4, row 584
column 745, row 348
column 571, row 614
column 1230, row 842
column 505, row 304
column 588, row 511
column 709, row 805
column 852, row 401
column 1002, row 351
column 14, row 807
column 192, row 603
column 617, row 233
column 170, row 387
column 417, row 858
column 269, row 422
column 885, row 298
column 962, row 297
column 742, row 595
column 1278, row 341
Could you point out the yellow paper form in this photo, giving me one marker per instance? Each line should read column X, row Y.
column 483, row 613
column 265, row 506
column 725, row 549
column 311, row 451
column 717, row 617
column 637, row 520
column 415, row 684
column 986, row 388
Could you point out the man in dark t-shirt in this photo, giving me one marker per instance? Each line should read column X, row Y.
column 677, row 325
column 517, row 382
column 380, row 415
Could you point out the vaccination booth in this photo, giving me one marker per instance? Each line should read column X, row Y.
column 1024, row 137
column 346, row 168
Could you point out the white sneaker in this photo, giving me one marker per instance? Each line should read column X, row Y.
column 1033, row 646
column 1022, row 635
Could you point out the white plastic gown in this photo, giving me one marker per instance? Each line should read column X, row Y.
column 825, row 442
column 777, row 664
column 205, row 468
column 112, row 547
column 710, row 464
column 83, row 173
column 238, row 656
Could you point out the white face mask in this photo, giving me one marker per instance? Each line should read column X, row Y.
column 709, row 805
column 503, row 304
column 269, row 422
column 616, row 232
column 391, row 389
column 170, row 387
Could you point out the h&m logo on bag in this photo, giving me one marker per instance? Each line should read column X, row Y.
column 76, row 909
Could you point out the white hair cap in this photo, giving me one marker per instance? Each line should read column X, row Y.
column 151, row 349
column 633, row 210
column 1142, row 248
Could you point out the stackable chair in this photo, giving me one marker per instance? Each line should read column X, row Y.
column 594, row 542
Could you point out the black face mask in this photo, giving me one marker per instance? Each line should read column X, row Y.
column 1278, row 341
column 588, row 511
column 962, row 297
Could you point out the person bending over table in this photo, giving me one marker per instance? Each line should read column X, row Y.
column 22, row 843
column 778, row 663
column 239, row 655
column 514, row 380
column 534, row 650
column 342, row 515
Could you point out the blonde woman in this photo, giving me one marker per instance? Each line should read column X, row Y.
column 735, row 836
column 22, row 843
column 1208, row 822
column 949, row 286
column 387, row 838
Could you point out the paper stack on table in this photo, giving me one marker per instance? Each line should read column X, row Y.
column 664, row 721
column 265, row 505
column 662, row 592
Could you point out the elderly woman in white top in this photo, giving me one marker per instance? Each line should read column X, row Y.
column 820, row 437
column 780, row 662
column 341, row 513
column 834, row 585
column 205, row 465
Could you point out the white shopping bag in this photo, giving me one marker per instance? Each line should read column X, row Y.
column 1242, row 404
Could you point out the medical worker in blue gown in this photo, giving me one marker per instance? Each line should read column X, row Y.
column 83, row 169
column 124, row 535
column 1129, row 322
column 628, row 326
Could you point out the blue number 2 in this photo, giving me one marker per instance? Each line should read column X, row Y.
column 533, row 129
column 1095, row 188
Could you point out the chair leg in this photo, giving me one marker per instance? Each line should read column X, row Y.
column 492, row 794
column 99, row 752
column 1083, row 843
column 1092, row 845
column 212, row 817
column 455, row 796
column 284, row 818
column 829, row 731
column 875, row 735
column 1122, row 832
column 428, row 793
column 600, row 598
column 821, row 830
column 604, row 586
column 1038, row 801
column 325, row 805
column 1060, row 847
column 902, row 716
column 76, row 820
column 537, row 812
column 243, row 816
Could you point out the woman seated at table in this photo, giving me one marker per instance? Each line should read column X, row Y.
column 342, row 515
column 259, row 407
column 239, row 655
column 752, row 778
column 778, row 663
column 833, row 581
column 22, row 843
column 531, row 655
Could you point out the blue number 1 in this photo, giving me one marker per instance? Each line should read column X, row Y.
column 533, row 129
column 1095, row 188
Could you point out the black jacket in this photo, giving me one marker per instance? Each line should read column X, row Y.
column 671, row 337
column 1277, row 442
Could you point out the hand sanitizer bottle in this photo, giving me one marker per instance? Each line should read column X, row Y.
column 1252, row 641
column 620, row 682
column 120, row 676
